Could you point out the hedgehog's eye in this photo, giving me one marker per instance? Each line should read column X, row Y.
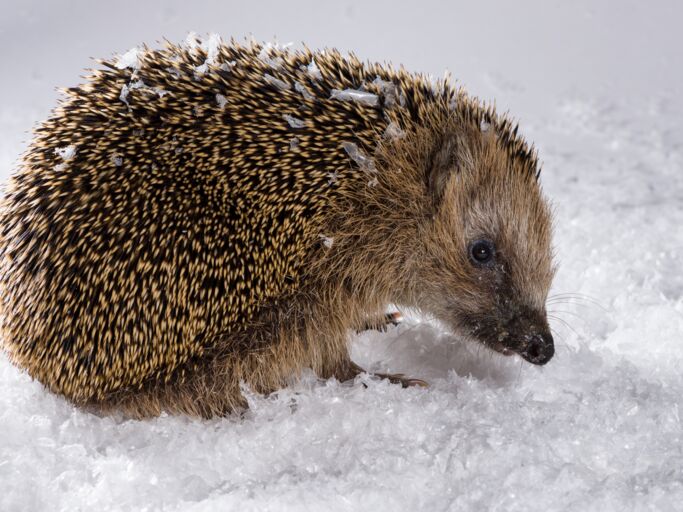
column 482, row 252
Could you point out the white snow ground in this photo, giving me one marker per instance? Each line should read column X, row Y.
column 598, row 87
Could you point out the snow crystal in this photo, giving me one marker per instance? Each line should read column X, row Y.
column 201, row 70
column 174, row 72
column 273, row 62
column 192, row 41
column 123, row 96
column 227, row 66
column 283, row 86
column 265, row 54
column 326, row 241
column 294, row 122
column 66, row 152
column 294, row 143
column 373, row 182
column 139, row 84
column 332, row 178
column 130, row 59
column 485, row 126
column 299, row 87
column 125, row 90
column 393, row 131
column 366, row 98
column 221, row 100
column 158, row 91
column 117, row 160
column 388, row 90
column 364, row 162
column 314, row 71
column 210, row 46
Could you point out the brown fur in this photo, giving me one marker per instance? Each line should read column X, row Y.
column 91, row 253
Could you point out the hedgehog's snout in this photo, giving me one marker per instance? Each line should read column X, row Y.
column 527, row 334
column 537, row 348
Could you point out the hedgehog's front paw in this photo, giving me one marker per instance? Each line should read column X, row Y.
column 351, row 370
column 347, row 372
column 399, row 378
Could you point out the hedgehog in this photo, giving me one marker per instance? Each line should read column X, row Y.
column 211, row 214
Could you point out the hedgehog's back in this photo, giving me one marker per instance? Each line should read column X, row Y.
column 171, row 197
column 142, row 224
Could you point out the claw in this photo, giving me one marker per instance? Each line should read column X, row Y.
column 382, row 323
column 400, row 378
column 394, row 318
column 353, row 369
column 416, row 382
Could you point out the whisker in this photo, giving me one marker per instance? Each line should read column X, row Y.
column 565, row 323
column 562, row 343
column 573, row 302
column 564, row 346
column 557, row 334
column 576, row 315
column 577, row 298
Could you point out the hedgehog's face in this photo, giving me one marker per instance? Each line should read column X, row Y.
column 490, row 247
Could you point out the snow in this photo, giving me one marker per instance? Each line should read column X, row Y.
column 298, row 87
column 314, row 70
column 294, row 122
column 221, row 100
column 393, row 132
column 389, row 90
column 192, row 41
column 332, row 177
column 173, row 72
column 598, row 89
column 125, row 90
column 139, row 84
column 364, row 162
column 273, row 62
column 365, row 98
column 211, row 46
column 130, row 59
column 227, row 66
column 66, row 153
column 327, row 241
column 276, row 82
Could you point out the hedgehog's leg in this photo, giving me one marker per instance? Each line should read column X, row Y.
column 380, row 323
column 352, row 370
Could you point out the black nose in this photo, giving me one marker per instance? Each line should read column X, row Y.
column 539, row 349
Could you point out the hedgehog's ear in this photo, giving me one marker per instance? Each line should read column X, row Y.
column 441, row 167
